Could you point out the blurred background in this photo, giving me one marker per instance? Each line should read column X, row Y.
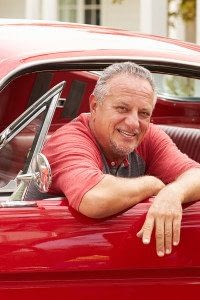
column 173, row 18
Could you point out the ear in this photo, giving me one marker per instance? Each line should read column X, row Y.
column 93, row 104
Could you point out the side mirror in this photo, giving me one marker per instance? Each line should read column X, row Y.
column 40, row 175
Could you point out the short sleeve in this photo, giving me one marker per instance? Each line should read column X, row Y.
column 75, row 162
column 163, row 159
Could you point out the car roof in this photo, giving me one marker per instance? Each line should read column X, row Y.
column 23, row 41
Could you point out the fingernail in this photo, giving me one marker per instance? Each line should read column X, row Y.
column 175, row 243
column 160, row 253
column 168, row 251
column 145, row 241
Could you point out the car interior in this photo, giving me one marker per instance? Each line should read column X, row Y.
column 176, row 112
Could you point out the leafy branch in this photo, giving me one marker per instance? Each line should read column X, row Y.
column 186, row 9
column 117, row 1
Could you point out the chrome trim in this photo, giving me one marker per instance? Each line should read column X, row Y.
column 4, row 138
column 9, row 133
column 11, row 204
column 189, row 99
column 61, row 102
column 47, row 123
column 31, row 113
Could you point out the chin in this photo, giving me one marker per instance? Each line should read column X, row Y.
column 121, row 151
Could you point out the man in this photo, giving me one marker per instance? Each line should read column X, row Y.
column 113, row 158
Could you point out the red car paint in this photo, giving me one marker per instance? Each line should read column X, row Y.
column 52, row 251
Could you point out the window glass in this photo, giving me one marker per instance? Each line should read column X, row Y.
column 81, row 11
column 92, row 12
column 88, row 16
column 177, row 86
column 14, row 155
column 67, row 2
column 67, row 10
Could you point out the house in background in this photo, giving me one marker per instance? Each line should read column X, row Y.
column 149, row 16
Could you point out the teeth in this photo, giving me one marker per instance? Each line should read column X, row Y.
column 127, row 133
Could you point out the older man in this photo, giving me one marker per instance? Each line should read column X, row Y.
column 112, row 158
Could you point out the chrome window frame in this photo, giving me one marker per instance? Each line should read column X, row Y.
column 48, row 102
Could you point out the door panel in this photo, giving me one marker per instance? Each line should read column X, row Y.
column 52, row 249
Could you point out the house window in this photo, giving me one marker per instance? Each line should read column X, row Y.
column 80, row 11
column 92, row 12
column 67, row 10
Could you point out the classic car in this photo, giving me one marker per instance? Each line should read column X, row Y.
column 47, row 72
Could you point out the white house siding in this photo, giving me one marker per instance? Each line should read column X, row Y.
column 198, row 22
column 149, row 16
column 153, row 16
column 12, row 9
column 33, row 9
column 125, row 15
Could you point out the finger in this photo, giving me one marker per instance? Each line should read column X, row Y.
column 140, row 233
column 147, row 229
column 160, row 240
column 168, row 235
column 176, row 230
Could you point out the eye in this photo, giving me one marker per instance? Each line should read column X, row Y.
column 145, row 114
column 121, row 109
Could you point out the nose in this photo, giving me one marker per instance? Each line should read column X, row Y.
column 132, row 120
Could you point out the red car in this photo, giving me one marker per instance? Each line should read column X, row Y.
column 48, row 250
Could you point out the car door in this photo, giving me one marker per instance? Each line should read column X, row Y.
column 50, row 250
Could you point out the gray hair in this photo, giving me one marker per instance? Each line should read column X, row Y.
column 128, row 68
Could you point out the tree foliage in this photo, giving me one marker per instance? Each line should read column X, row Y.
column 117, row 1
column 186, row 9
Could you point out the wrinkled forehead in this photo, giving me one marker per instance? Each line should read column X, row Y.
column 124, row 83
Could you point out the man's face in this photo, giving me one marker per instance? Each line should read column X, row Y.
column 121, row 120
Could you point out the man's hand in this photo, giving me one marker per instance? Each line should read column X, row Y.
column 165, row 216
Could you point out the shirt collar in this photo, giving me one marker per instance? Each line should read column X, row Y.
column 116, row 164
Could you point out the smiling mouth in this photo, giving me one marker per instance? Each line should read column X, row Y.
column 126, row 133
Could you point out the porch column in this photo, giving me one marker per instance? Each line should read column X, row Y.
column 80, row 11
column 49, row 10
column 198, row 22
column 153, row 17
column 32, row 9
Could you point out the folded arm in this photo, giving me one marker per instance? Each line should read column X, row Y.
column 114, row 194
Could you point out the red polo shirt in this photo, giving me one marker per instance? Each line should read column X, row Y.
column 77, row 164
